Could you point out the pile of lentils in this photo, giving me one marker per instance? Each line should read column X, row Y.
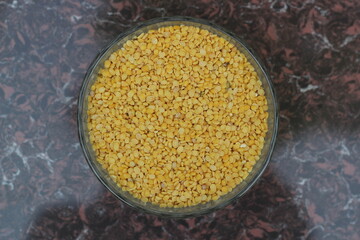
column 177, row 116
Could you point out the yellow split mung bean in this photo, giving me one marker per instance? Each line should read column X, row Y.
column 177, row 116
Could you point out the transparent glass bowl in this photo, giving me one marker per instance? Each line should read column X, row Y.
column 199, row 209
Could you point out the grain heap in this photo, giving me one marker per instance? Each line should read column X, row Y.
column 177, row 116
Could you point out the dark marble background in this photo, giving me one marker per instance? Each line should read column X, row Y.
column 311, row 189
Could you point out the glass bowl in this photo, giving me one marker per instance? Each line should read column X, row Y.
column 199, row 209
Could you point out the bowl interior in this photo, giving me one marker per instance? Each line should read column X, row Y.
column 102, row 174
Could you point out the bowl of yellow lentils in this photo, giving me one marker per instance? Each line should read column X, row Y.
column 177, row 117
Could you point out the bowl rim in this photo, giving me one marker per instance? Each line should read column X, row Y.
column 82, row 99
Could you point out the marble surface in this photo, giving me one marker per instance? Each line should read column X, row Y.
column 311, row 189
